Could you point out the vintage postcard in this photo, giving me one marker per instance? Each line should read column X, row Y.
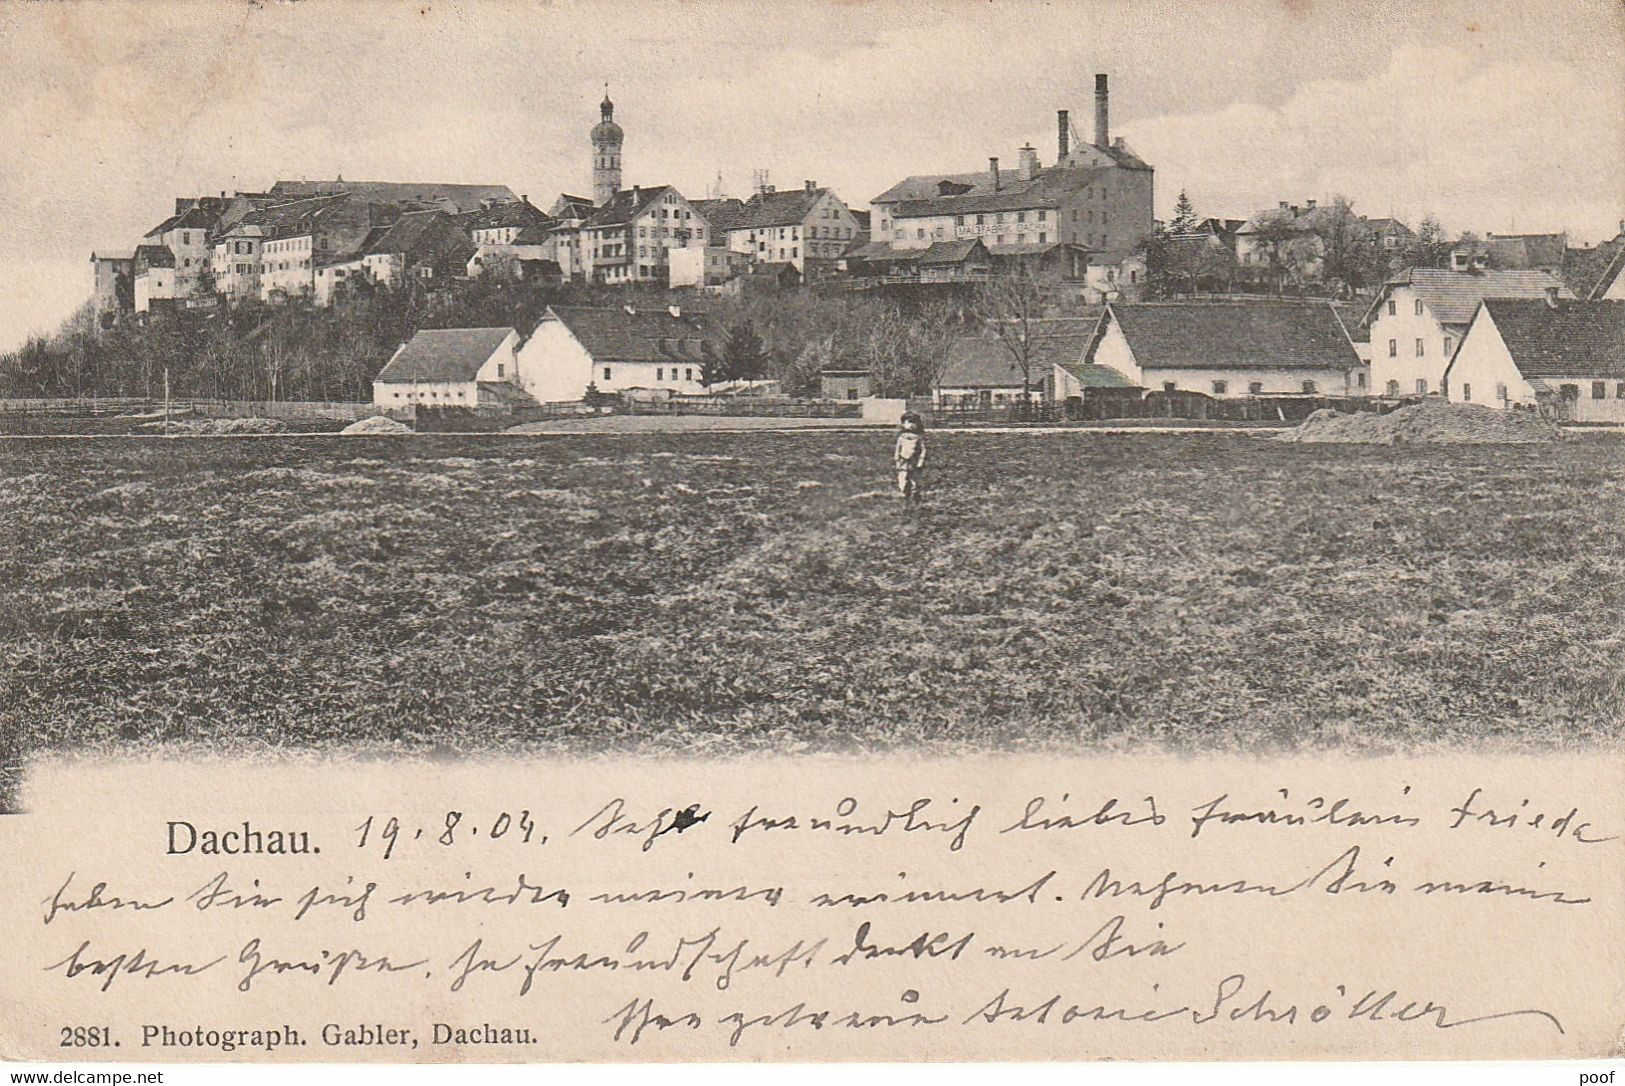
column 881, row 531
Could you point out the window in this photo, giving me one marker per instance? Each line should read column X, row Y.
column 1042, row 215
column 499, row 369
column 1569, row 392
column 1619, row 391
column 1309, row 387
column 1599, row 390
column 1392, row 307
column 979, row 219
column 1255, row 388
column 1021, row 216
column 1466, row 393
column 688, row 373
column 606, row 373
column 920, row 234
column 1418, row 348
column 660, row 374
column 1393, row 348
column 1501, row 392
column 1219, row 387
column 1393, row 388
column 1421, row 387
column 1418, row 307
column 1449, row 342
column 1042, row 236
column 1169, row 386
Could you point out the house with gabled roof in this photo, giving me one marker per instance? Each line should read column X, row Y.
column 1229, row 349
column 792, row 226
column 965, row 260
column 985, row 370
column 450, row 367
column 612, row 349
column 1562, row 356
column 1418, row 319
column 187, row 234
column 628, row 238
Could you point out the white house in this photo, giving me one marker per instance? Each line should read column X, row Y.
column 1418, row 319
column 1567, row 357
column 613, row 350
column 984, row 369
column 450, row 367
column 1226, row 349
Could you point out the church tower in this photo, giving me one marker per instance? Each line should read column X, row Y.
column 606, row 153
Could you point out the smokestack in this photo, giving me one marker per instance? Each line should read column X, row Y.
column 1029, row 162
column 993, row 169
column 809, row 185
column 1102, row 126
column 1063, row 138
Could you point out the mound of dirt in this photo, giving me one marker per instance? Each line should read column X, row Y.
column 1431, row 422
column 377, row 424
column 219, row 426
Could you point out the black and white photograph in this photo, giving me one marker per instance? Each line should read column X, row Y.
column 1176, row 423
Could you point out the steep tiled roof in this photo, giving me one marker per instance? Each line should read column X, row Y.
column 498, row 216
column 451, row 198
column 1352, row 314
column 284, row 218
column 721, row 214
column 938, row 252
column 1453, row 296
column 409, row 233
column 1571, row 339
column 444, row 354
column 1230, row 335
column 624, row 206
column 1610, row 259
column 536, row 234
column 1527, row 250
column 154, row 256
column 986, row 361
column 928, row 186
column 788, row 208
column 572, row 207
column 615, row 335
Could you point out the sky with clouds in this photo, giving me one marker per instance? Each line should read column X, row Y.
column 1495, row 115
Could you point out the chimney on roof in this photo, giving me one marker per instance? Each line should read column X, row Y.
column 637, row 191
column 1310, row 204
column 675, row 310
column 1063, row 136
column 993, row 171
column 1029, row 162
column 1102, row 122
column 810, row 185
column 1551, row 295
column 1283, row 205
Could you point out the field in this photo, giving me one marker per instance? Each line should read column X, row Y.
column 718, row 593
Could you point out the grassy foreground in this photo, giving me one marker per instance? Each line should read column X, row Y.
column 717, row 593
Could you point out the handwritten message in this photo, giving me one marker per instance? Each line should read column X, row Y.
column 997, row 908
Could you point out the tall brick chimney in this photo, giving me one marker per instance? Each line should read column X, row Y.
column 993, row 171
column 1063, row 137
column 1102, row 124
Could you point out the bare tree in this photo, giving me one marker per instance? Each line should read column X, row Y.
column 1014, row 306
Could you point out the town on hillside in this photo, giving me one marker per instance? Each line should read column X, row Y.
column 1042, row 283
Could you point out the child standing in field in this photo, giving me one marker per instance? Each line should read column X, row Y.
column 909, row 456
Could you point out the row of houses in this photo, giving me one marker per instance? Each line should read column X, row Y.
column 1077, row 222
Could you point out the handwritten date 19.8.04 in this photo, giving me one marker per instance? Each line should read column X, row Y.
column 386, row 834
